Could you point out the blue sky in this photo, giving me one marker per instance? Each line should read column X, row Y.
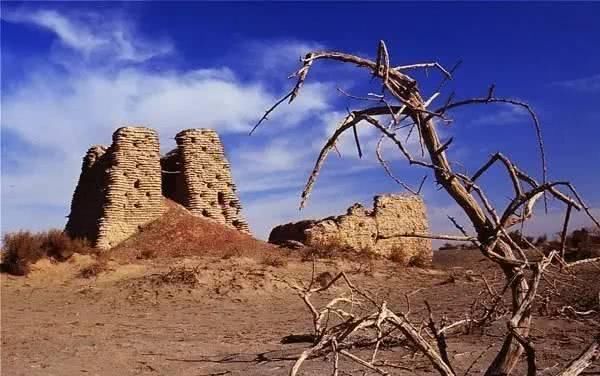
column 74, row 72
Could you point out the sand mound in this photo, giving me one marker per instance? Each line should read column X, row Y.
column 179, row 233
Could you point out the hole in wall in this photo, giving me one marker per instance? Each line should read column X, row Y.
column 137, row 205
column 209, row 185
column 204, row 148
column 221, row 198
column 218, row 176
column 205, row 213
column 193, row 139
column 213, row 203
column 148, row 194
column 137, row 183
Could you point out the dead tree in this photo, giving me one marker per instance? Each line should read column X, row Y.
column 402, row 105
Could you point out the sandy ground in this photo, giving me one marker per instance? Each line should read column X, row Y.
column 134, row 320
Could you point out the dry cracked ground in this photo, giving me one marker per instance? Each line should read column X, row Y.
column 227, row 316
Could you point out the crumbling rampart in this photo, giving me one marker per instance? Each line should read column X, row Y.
column 362, row 229
column 208, row 187
column 122, row 187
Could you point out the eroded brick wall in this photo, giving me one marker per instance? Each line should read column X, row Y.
column 119, row 188
column 122, row 187
column 209, row 190
column 133, row 195
column 363, row 229
column 88, row 199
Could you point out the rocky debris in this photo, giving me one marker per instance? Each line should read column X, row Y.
column 121, row 187
column 361, row 229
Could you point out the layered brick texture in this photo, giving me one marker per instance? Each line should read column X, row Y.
column 208, row 189
column 121, row 187
column 361, row 229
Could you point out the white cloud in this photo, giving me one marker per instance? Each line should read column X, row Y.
column 585, row 84
column 92, row 35
column 66, row 111
column 508, row 115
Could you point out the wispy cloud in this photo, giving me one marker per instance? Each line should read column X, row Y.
column 506, row 115
column 585, row 84
column 92, row 35
column 59, row 110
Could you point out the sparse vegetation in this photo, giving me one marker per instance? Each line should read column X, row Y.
column 148, row 254
column 400, row 105
column 232, row 252
column 276, row 261
column 23, row 248
column 93, row 270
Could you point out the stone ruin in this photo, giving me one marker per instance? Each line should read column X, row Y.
column 122, row 187
column 363, row 229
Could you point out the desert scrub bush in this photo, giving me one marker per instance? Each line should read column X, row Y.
column 93, row 270
column 276, row 261
column 59, row 246
column 419, row 261
column 330, row 249
column 23, row 248
column 20, row 249
column 398, row 256
column 147, row 254
column 232, row 252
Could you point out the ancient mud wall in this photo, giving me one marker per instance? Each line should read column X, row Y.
column 88, row 199
column 122, row 187
column 119, row 188
column 133, row 195
column 368, row 229
column 207, row 183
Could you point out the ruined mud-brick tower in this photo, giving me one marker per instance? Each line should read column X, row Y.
column 121, row 187
column 207, row 186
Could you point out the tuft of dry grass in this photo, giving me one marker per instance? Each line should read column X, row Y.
column 148, row 254
column 20, row 249
column 398, row 256
column 232, row 252
column 93, row 270
column 277, row 261
column 23, row 248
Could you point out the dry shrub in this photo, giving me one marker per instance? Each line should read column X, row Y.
column 59, row 246
column 419, row 261
column 328, row 250
column 93, row 270
column 179, row 275
column 20, row 249
column 398, row 256
column 232, row 252
column 23, row 248
column 273, row 260
column 148, row 254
